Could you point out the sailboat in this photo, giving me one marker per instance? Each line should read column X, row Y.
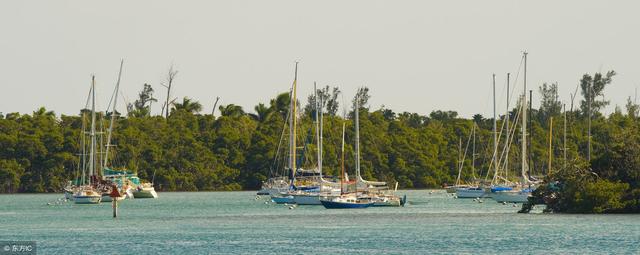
column 288, row 195
column 479, row 191
column 122, row 183
column 472, row 191
column 374, row 191
column 453, row 189
column 325, row 188
column 345, row 200
column 349, row 201
column 521, row 192
column 273, row 185
column 86, row 193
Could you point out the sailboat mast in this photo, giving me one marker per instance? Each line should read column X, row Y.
column 550, row 141
column 357, row 120
column 459, row 160
column 506, row 143
column 113, row 115
column 318, row 133
column 473, row 152
column 524, row 121
column 342, row 161
column 84, row 144
column 100, row 145
column 315, row 96
column 320, row 108
column 564, row 140
column 292, row 127
column 290, row 163
column 589, row 98
column 92, row 134
column 529, row 159
column 495, row 133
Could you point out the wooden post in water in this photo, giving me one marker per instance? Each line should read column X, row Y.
column 115, row 195
column 114, row 204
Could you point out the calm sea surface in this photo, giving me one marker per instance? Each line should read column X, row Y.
column 235, row 222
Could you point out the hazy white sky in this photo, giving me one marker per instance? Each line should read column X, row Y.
column 415, row 56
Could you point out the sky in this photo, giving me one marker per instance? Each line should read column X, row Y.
column 415, row 56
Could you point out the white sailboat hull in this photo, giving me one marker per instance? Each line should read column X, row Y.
column 511, row 196
column 307, row 199
column 471, row 193
column 107, row 198
column 95, row 199
column 453, row 189
column 387, row 201
column 272, row 191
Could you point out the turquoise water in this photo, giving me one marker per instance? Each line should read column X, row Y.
column 236, row 223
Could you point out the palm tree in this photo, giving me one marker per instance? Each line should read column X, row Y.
column 262, row 112
column 231, row 110
column 281, row 104
column 42, row 112
column 188, row 105
column 477, row 118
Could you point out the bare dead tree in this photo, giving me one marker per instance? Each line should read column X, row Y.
column 573, row 96
column 214, row 106
column 173, row 101
column 170, row 78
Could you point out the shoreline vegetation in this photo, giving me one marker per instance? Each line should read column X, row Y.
column 186, row 149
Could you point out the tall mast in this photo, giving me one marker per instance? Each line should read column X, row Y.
column 550, row 137
column 315, row 95
column 357, row 124
column 321, row 106
column 113, row 115
column 99, row 144
column 318, row 131
column 564, row 140
column 495, row 133
column 92, row 134
column 84, row 145
column 459, row 160
column 530, row 163
column 506, row 143
column 357, row 116
column 292, row 127
column 342, row 161
column 589, row 98
column 473, row 152
column 524, row 121
column 84, row 135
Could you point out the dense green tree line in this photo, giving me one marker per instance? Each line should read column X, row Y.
column 239, row 149
column 611, row 183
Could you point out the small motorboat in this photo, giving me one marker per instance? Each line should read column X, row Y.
column 145, row 190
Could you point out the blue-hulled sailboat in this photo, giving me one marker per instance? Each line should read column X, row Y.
column 521, row 192
column 348, row 201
